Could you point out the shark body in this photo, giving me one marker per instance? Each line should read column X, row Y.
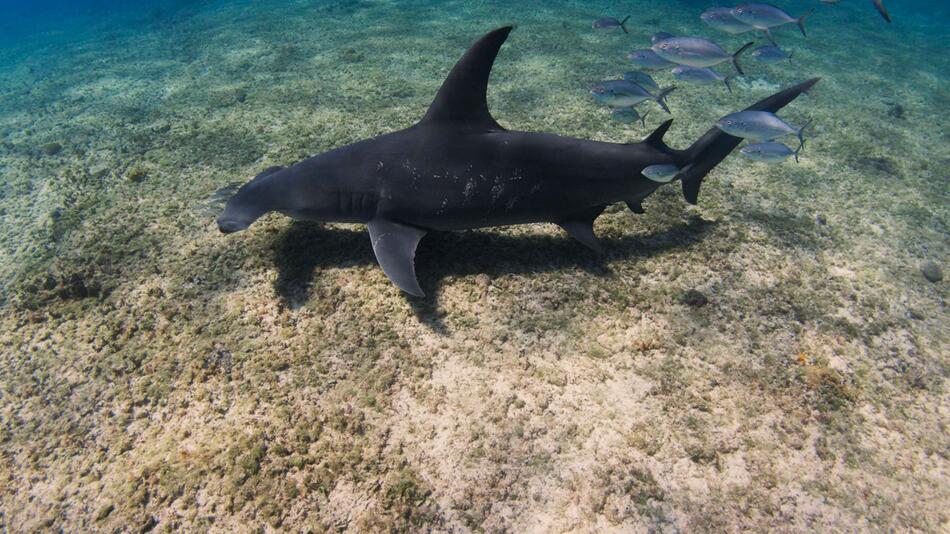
column 459, row 169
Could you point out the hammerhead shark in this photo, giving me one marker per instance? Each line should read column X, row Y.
column 459, row 169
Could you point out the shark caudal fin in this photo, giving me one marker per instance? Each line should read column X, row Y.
column 715, row 145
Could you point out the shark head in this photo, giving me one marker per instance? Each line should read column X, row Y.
column 251, row 202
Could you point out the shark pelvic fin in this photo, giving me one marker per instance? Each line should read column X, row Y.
column 636, row 206
column 395, row 247
column 461, row 99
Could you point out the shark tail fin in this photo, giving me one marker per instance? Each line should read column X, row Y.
column 713, row 147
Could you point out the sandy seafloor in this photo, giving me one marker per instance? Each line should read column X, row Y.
column 159, row 376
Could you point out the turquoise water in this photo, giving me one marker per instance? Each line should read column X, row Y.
column 156, row 374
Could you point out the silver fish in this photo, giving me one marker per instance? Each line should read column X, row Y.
column 770, row 152
column 661, row 173
column 758, row 126
column 609, row 23
column 771, row 54
column 721, row 19
column 697, row 52
column 642, row 79
column 700, row 75
column 648, row 59
column 659, row 36
column 622, row 94
column 767, row 16
column 629, row 115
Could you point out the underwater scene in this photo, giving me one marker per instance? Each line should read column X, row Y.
column 528, row 303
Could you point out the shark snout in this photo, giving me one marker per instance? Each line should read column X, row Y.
column 228, row 226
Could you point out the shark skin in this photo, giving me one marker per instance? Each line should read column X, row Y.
column 459, row 169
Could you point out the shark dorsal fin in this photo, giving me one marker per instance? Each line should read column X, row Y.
column 461, row 99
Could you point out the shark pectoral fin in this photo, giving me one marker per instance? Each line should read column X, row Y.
column 583, row 231
column 636, row 206
column 395, row 247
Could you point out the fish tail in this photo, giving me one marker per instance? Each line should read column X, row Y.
column 801, row 21
column 801, row 139
column 661, row 96
column 879, row 5
column 710, row 149
column 735, row 57
column 790, row 56
column 623, row 24
column 799, row 149
column 726, row 81
column 643, row 118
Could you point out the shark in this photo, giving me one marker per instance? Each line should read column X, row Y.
column 459, row 169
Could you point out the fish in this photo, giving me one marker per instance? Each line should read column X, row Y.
column 662, row 173
column 700, row 75
column 629, row 115
column 766, row 16
column 759, row 126
column 770, row 152
column 879, row 5
column 659, row 36
column 609, row 23
column 770, row 54
column 458, row 169
column 697, row 52
column 642, row 79
column 721, row 19
column 648, row 59
column 622, row 94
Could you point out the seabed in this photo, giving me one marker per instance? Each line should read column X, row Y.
column 771, row 359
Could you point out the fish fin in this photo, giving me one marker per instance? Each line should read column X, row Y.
column 461, row 99
column 643, row 118
column 879, row 5
column 661, row 96
column 623, row 24
column 636, row 206
column 710, row 149
column 735, row 57
column 769, row 36
column 655, row 139
column 580, row 226
column 395, row 247
column 801, row 21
